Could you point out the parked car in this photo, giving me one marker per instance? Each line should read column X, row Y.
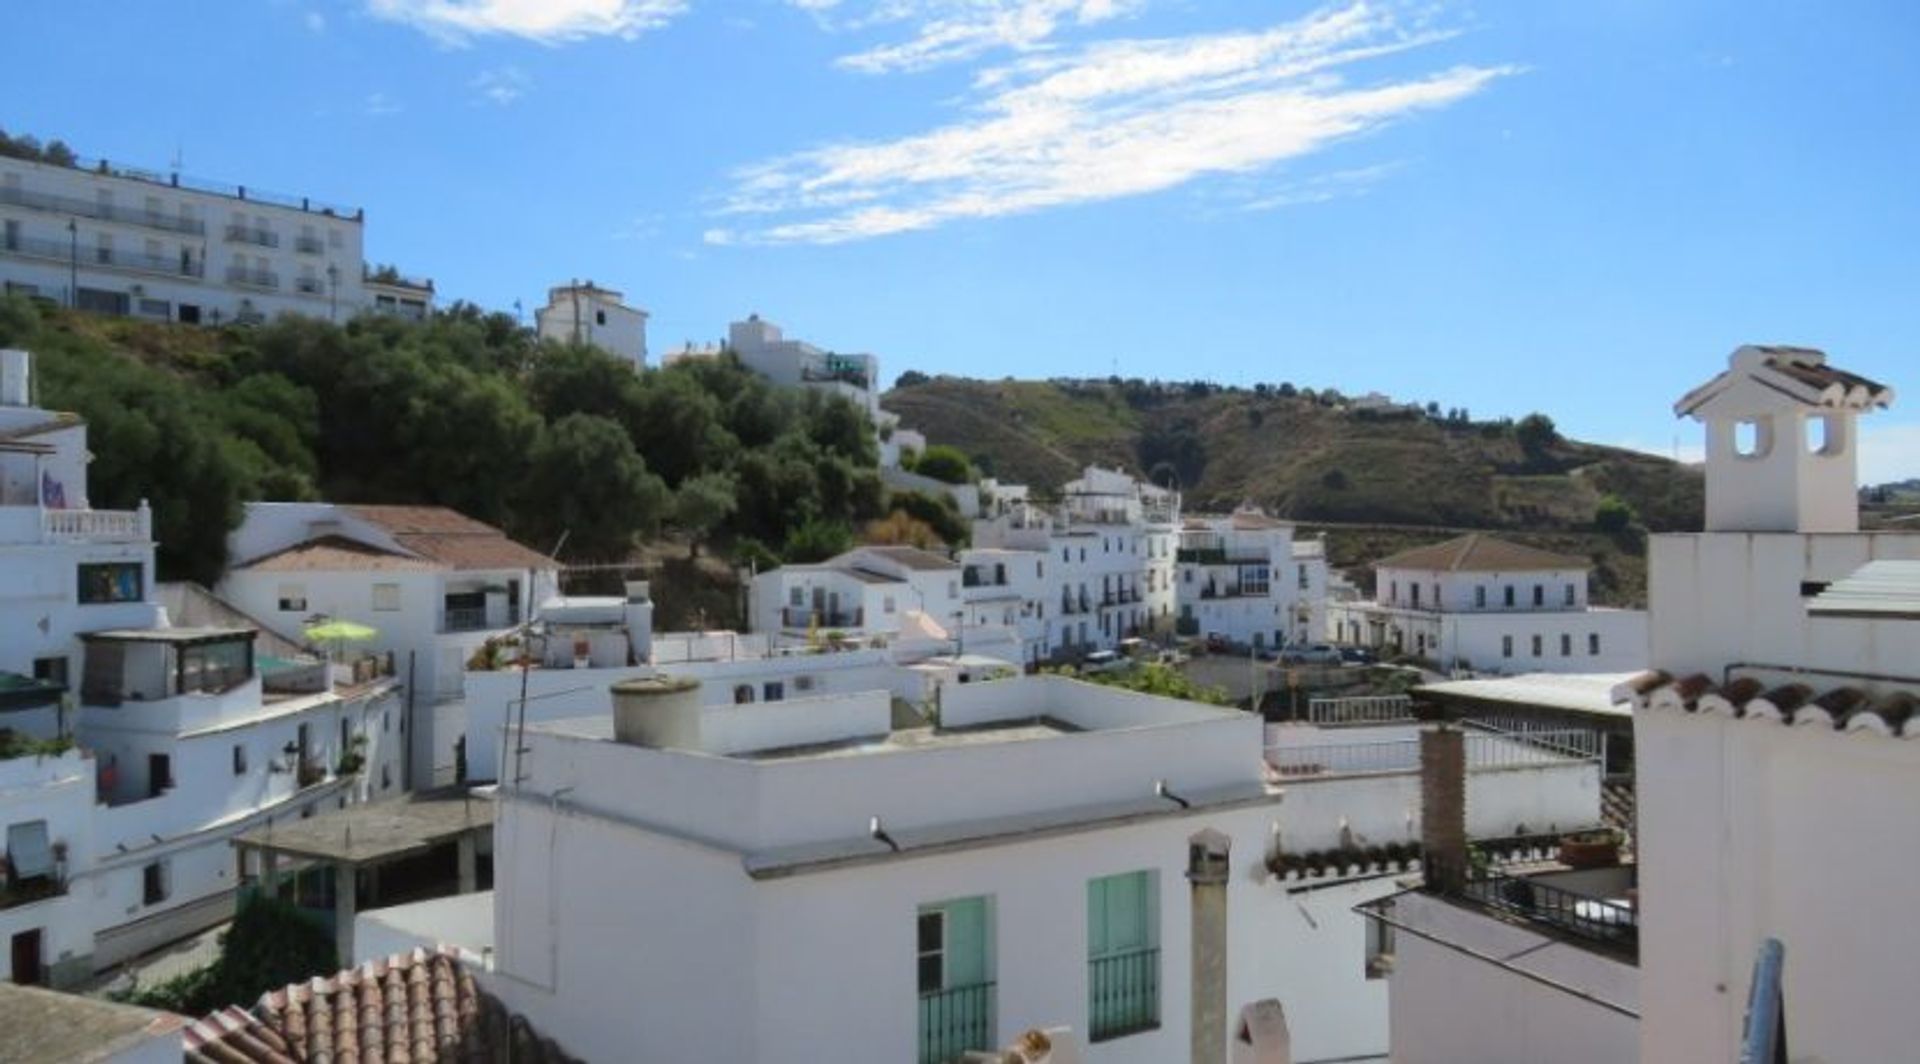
column 1358, row 656
column 1218, row 643
column 1103, row 661
column 1310, row 654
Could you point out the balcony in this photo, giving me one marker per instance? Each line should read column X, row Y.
column 29, row 890
column 65, row 251
column 88, row 526
column 1123, row 994
column 240, row 275
column 802, row 617
column 1611, row 925
column 309, row 245
column 955, row 1020
column 252, row 234
column 466, row 619
column 977, row 578
column 45, row 201
column 311, row 286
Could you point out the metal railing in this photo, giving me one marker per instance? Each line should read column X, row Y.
column 977, row 578
column 103, row 168
column 253, row 234
column 312, row 286
column 252, row 278
column 955, row 1020
column 47, row 201
column 67, row 251
column 309, row 245
column 465, row 619
column 1123, row 993
column 1509, row 742
column 1367, row 709
column 1484, row 751
column 1599, row 921
column 804, row 617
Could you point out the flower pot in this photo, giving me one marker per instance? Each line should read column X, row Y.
column 1589, row 851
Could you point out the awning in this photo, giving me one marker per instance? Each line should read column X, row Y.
column 29, row 853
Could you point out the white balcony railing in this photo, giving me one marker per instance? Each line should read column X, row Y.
column 96, row 526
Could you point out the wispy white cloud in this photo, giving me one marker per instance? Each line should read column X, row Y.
column 545, row 21
column 1117, row 118
column 946, row 31
column 1321, row 188
column 379, row 105
column 315, row 21
column 502, row 85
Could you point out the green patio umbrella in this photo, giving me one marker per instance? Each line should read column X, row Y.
column 338, row 632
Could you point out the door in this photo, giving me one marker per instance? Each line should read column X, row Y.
column 26, row 957
column 955, row 975
column 159, row 774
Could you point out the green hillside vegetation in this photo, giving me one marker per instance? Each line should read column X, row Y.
column 466, row 410
column 1402, row 477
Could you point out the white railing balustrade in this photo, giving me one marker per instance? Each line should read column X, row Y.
column 1485, row 749
column 100, row 525
column 1366, row 709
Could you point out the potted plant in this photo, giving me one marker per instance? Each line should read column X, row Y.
column 1599, row 848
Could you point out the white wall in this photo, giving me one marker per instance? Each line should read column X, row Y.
column 58, row 790
column 1450, row 1008
column 1750, row 829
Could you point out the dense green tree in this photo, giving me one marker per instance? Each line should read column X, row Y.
column 1614, row 514
column 945, row 463
column 701, row 504
column 1535, row 433
column 910, row 379
column 586, row 481
column 815, row 540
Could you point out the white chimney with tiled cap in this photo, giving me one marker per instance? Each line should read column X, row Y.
column 1782, row 451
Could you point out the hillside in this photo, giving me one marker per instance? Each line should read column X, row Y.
column 1402, row 476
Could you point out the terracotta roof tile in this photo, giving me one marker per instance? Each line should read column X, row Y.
column 1800, row 373
column 1477, row 552
column 333, row 553
column 414, row 1007
column 1845, row 707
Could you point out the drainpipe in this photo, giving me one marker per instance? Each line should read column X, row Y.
column 1207, row 867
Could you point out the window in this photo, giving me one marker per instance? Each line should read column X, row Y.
column 216, row 667
column 1416, row 594
column 1509, row 596
column 1537, row 644
column 293, row 598
column 1593, row 644
column 1753, row 439
column 1393, row 594
column 773, row 691
column 1566, row 645
column 743, row 694
column 796, row 597
column 1303, row 577
column 887, row 604
column 1567, row 596
column 1539, row 595
column 386, row 721
column 239, row 759
column 1123, row 955
column 599, row 317
column 51, row 670
column 1479, row 598
column 954, row 976
column 1506, row 646
column 386, row 597
column 154, row 883
column 104, row 582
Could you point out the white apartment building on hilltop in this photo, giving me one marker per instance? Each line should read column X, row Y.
column 1775, row 771
column 797, row 877
column 154, row 742
column 1484, row 603
column 116, row 240
column 1245, row 577
column 579, row 313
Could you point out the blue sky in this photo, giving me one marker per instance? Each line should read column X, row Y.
column 1579, row 208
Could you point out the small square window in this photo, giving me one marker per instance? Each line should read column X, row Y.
column 1538, row 642
column 1593, row 643
column 772, row 691
column 154, row 886
column 293, row 598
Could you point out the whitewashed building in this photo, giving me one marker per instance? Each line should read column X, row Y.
column 1483, row 603
column 1108, row 560
column 1245, row 577
column 138, row 746
column 799, row 877
column 864, row 593
column 1775, row 768
column 118, row 240
column 579, row 313
column 433, row 584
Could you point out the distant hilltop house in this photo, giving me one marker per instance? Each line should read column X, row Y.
column 113, row 239
column 578, row 313
column 1496, row 606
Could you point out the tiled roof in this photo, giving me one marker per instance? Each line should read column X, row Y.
column 331, row 554
column 1845, row 708
column 1800, row 373
column 451, row 538
column 415, row 1007
column 913, row 557
column 1477, row 552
